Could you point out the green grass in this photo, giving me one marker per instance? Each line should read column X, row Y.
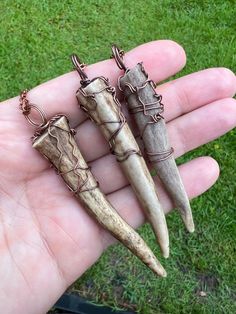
column 36, row 39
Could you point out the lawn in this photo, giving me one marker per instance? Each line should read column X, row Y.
column 37, row 38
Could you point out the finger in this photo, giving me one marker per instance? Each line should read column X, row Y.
column 186, row 133
column 195, row 90
column 58, row 95
column 209, row 121
column 202, row 125
column 128, row 207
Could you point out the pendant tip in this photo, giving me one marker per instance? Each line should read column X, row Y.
column 191, row 228
column 166, row 251
column 163, row 273
column 189, row 224
column 164, row 243
column 159, row 270
column 166, row 255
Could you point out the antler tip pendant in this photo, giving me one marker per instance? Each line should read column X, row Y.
column 55, row 141
column 188, row 221
column 98, row 99
column 146, row 107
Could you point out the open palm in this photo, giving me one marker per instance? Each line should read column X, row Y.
column 47, row 240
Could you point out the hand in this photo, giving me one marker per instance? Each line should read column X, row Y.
column 46, row 239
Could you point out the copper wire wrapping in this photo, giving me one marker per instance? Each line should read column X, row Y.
column 121, row 121
column 161, row 156
column 145, row 108
column 82, row 184
column 118, row 54
column 26, row 108
column 79, row 67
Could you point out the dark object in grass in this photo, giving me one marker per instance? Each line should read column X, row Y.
column 146, row 107
column 74, row 304
column 98, row 99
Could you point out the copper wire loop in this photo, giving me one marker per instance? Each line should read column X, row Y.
column 79, row 67
column 118, row 55
column 27, row 107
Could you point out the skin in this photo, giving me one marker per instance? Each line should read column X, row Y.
column 47, row 240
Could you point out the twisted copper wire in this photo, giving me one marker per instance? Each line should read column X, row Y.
column 118, row 55
column 26, row 107
column 121, row 119
column 82, row 183
column 161, row 156
column 145, row 108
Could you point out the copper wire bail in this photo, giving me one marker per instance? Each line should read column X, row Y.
column 118, row 55
column 27, row 107
column 79, row 67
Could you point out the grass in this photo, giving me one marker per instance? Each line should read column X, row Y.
column 36, row 39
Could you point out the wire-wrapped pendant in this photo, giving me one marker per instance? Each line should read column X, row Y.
column 55, row 141
column 146, row 107
column 97, row 98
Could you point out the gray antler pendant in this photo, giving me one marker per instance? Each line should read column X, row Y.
column 97, row 98
column 146, row 107
column 55, row 141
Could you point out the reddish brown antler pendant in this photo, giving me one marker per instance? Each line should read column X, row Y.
column 55, row 140
column 147, row 109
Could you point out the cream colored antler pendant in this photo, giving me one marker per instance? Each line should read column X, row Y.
column 146, row 107
column 55, row 140
column 97, row 98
